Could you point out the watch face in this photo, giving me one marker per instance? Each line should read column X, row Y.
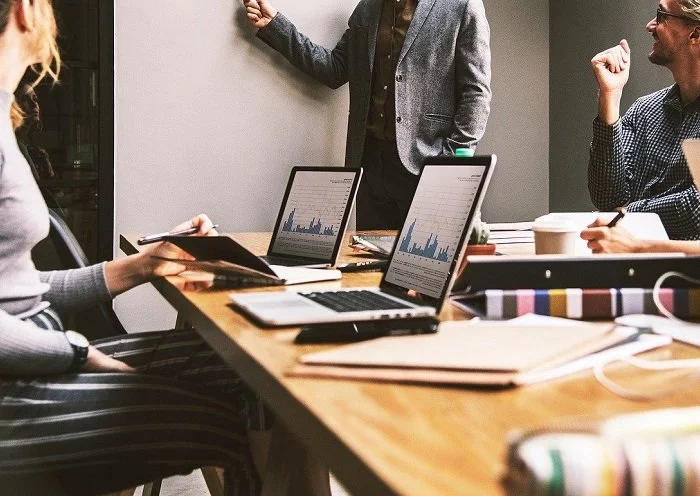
column 77, row 339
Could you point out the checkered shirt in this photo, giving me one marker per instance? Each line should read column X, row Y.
column 638, row 162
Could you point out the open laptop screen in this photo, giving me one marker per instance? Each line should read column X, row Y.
column 691, row 150
column 438, row 221
column 314, row 212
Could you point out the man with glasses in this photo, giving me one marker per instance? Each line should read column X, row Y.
column 636, row 161
column 419, row 74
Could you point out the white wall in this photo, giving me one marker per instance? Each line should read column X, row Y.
column 599, row 25
column 518, row 128
column 208, row 119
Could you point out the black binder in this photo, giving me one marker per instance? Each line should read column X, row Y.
column 559, row 271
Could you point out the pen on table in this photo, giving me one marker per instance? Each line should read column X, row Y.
column 366, row 265
column 154, row 238
column 620, row 215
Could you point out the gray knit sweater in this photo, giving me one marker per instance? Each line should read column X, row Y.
column 24, row 348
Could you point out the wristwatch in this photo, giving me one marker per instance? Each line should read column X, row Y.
column 80, row 346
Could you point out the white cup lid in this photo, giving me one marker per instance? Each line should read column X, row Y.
column 554, row 225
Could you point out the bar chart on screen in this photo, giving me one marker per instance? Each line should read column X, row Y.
column 313, row 214
column 430, row 237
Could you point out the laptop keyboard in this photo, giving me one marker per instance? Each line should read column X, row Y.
column 354, row 301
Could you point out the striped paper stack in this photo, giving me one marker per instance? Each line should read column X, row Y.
column 637, row 460
column 577, row 303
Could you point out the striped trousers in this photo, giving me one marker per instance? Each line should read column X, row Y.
column 102, row 432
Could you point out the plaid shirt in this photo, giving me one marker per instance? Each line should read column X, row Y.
column 638, row 162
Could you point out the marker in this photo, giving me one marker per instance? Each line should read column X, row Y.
column 620, row 215
column 154, row 238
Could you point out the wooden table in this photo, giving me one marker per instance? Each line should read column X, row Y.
column 389, row 438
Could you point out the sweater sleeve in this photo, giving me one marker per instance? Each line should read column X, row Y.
column 472, row 79
column 76, row 289
column 28, row 350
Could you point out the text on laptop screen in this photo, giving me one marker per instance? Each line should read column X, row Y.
column 313, row 214
column 428, row 243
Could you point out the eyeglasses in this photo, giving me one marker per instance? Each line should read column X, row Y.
column 662, row 14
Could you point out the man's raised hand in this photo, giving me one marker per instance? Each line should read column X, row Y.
column 260, row 12
column 612, row 67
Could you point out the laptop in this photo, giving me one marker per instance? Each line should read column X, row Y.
column 422, row 264
column 314, row 214
column 691, row 150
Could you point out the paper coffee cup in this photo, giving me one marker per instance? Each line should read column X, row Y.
column 555, row 236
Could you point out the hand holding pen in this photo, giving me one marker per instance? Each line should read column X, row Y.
column 198, row 224
column 154, row 238
column 161, row 259
column 621, row 212
column 605, row 236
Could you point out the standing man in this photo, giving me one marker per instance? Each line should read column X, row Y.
column 419, row 74
column 637, row 161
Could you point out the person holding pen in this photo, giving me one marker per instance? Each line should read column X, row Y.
column 97, row 417
column 603, row 237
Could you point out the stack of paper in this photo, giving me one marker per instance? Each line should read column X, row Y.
column 507, row 233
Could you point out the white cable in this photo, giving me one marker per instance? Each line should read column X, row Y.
column 616, row 389
column 630, row 394
column 640, row 363
column 688, row 364
column 657, row 289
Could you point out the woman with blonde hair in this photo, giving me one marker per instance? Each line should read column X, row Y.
column 115, row 413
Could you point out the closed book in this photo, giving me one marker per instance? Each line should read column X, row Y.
column 577, row 303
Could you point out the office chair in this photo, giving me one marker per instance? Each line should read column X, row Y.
column 101, row 321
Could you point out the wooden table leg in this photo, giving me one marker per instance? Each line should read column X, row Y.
column 291, row 470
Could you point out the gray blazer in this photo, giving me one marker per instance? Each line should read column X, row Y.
column 442, row 78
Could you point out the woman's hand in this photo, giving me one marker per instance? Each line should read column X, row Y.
column 161, row 268
column 603, row 239
column 99, row 362
column 123, row 274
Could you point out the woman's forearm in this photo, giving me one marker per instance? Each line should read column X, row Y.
column 125, row 273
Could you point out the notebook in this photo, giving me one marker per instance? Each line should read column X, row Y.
column 421, row 267
column 629, row 270
column 238, row 266
column 650, row 452
column 484, row 354
column 578, row 303
column 314, row 214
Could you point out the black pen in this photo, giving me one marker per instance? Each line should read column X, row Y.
column 620, row 215
column 360, row 266
column 154, row 238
